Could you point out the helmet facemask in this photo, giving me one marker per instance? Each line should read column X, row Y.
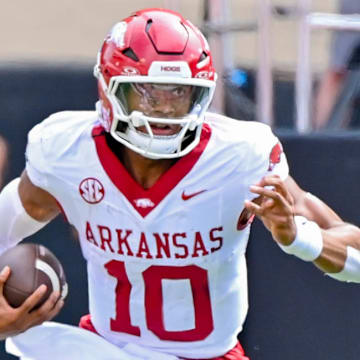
column 158, row 119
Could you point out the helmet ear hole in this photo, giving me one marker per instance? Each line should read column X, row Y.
column 130, row 54
column 203, row 56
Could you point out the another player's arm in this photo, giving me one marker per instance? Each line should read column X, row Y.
column 337, row 235
column 279, row 209
column 24, row 209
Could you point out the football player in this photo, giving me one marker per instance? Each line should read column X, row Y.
column 162, row 194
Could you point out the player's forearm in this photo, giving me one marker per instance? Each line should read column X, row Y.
column 340, row 255
column 338, row 243
column 334, row 250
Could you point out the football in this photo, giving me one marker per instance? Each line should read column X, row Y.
column 31, row 266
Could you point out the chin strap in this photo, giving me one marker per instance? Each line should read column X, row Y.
column 15, row 223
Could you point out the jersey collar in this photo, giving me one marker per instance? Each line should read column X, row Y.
column 145, row 200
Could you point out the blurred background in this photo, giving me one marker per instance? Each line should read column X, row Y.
column 287, row 63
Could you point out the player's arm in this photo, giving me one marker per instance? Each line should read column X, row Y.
column 24, row 209
column 305, row 226
column 38, row 203
column 336, row 234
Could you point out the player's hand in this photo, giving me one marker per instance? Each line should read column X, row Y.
column 16, row 320
column 275, row 208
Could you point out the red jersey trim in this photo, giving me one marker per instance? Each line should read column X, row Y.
column 62, row 211
column 134, row 192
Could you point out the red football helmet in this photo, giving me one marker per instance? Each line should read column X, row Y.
column 155, row 73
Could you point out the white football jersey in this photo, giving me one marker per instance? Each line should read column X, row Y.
column 166, row 265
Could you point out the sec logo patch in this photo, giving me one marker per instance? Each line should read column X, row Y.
column 91, row 190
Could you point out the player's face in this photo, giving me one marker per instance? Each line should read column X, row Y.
column 161, row 101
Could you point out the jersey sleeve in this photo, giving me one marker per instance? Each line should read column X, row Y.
column 36, row 167
column 269, row 157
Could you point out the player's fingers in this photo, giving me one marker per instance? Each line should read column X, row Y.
column 52, row 301
column 263, row 210
column 268, row 203
column 278, row 184
column 48, row 310
column 281, row 197
column 282, row 189
column 253, row 208
column 273, row 181
column 269, row 193
column 4, row 275
column 58, row 306
column 48, row 305
column 50, row 315
column 33, row 299
column 269, row 180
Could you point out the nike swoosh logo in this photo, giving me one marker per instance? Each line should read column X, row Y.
column 189, row 196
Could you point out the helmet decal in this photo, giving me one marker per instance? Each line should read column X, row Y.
column 203, row 75
column 117, row 34
column 170, row 68
column 275, row 156
column 129, row 71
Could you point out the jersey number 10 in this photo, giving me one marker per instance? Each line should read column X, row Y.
column 154, row 301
